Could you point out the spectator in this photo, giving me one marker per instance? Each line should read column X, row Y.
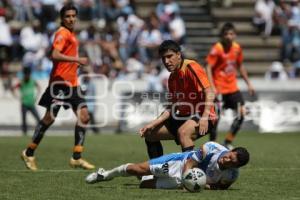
column 282, row 16
column 5, row 52
column 149, row 40
column 276, row 72
column 35, row 44
column 28, row 95
column 263, row 18
column 177, row 28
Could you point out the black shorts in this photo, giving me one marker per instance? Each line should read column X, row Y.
column 61, row 95
column 233, row 100
column 173, row 125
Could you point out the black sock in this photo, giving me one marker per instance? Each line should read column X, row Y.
column 37, row 137
column 79, row 135
column 154, row 149
column 236, row 125
column 76, row 155
column 186, row 149
column 29, row 152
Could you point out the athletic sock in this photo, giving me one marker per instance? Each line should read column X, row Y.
column 79, row 140
column 116, row 172
column 77, row 150
column 37, row 137
column 186, row 149
column 154, row 149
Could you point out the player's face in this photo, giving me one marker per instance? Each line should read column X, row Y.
column 171, row 60
column 69, row 19
column 229, row 160
column 229, row 36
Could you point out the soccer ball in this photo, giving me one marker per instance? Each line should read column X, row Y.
column 194, row 180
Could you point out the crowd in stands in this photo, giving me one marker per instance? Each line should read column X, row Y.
column 119, row 43
column 281, row 17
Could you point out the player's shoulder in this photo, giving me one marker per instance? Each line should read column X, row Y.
column 236, row 45
column 62, row 31
column 213, row 147
column 191, row 64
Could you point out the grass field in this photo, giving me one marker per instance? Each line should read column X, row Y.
column 273, row 171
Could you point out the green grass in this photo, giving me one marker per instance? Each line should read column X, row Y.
column 273, row 171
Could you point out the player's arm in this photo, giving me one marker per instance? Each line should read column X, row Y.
column 190, row 164
column 210, row 77
column 153, row 124
column 58, row 56
column 244, row 75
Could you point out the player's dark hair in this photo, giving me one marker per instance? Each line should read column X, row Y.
column 168, row 45
column 228, row 26
column 65, row 8
column 242, row 155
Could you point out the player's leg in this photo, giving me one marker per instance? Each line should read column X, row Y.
column 80, row 131
column 213, row 132
column 236, row 102
column 152, row 140
column 129, row 169
column 24, row 120
column 28, row 154
column 187, row 133
column 41, row 128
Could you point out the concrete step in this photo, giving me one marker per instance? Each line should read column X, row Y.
column 199, row 25
column 257, row 68
column 234, row 13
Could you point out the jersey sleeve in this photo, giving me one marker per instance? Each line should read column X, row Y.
column 199, row 75
column 59, row 40
column 212, row 56
column 212, row 148
column 197, row 155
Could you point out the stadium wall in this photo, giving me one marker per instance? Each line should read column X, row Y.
column 126, row 105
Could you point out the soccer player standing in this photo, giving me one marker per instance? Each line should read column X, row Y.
column 190, row 114
column 63, row 90
column 224, row 59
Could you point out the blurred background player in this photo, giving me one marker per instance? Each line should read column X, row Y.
column 224, row 59
column 219, row 164
column 63, row 90
column 29, row 90
column 190, row 114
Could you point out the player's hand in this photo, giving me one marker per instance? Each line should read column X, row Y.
column 251, row 90
column 146, row 130
column 83, row 60
column 203, row 126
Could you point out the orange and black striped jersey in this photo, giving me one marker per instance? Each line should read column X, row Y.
column 224, row 66
column 186, row 87
column 66, row 43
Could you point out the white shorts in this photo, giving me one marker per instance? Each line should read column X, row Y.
column 168, row 170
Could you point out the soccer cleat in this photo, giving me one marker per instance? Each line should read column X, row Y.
column 29, row 161
column 80, row 163
column 95, row 176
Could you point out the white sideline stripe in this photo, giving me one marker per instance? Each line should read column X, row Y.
column 273, row 169
column 82, row 171
column 45, row 170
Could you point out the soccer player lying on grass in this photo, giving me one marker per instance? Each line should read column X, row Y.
column 219, row 164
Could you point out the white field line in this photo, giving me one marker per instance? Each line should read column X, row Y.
column 83, row 171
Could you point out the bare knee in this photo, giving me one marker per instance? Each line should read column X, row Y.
column 48, row 118
column 185, row 138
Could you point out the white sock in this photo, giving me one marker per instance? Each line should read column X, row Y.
column 116, row 172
